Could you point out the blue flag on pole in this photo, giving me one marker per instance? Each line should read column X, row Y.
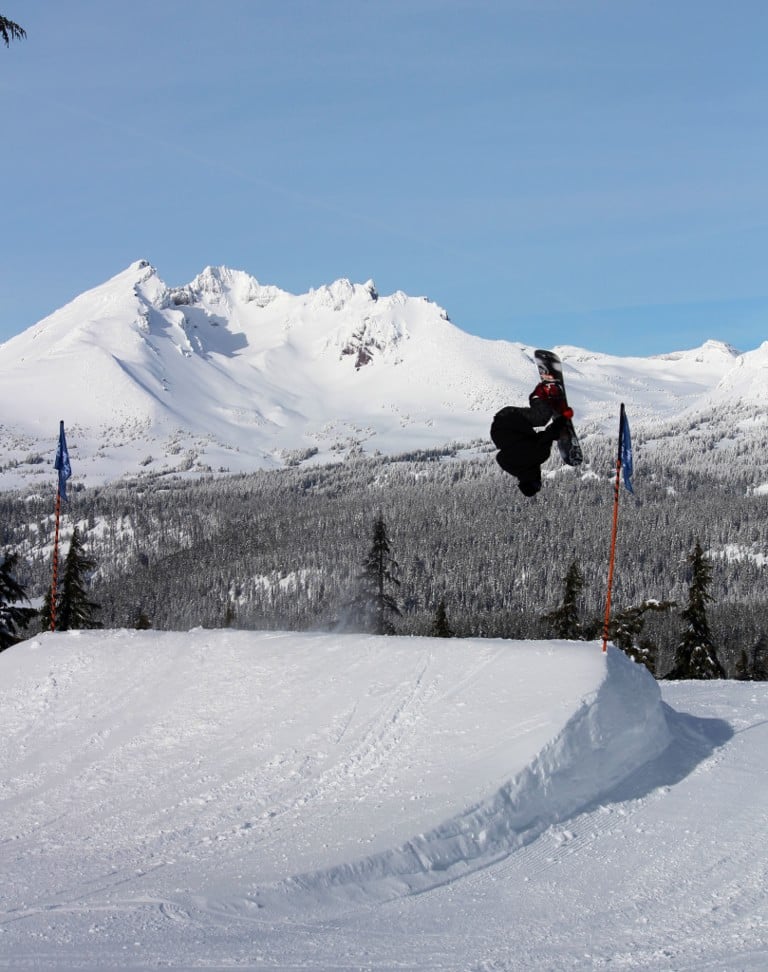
column 625, row 452
column 62, row 462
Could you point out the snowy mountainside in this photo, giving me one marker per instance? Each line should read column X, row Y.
column 746, row 381
column 226, row 373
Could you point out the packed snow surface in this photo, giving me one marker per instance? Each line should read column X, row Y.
column 233, row 799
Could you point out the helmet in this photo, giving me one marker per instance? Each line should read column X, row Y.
column 529, row 487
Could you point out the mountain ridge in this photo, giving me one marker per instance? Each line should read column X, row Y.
column 228, row 374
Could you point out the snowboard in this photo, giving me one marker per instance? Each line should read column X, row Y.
column 551, row 370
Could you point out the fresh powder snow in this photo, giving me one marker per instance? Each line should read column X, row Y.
column 225, row 799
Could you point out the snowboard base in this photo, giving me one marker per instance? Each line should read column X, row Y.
column 551, row 369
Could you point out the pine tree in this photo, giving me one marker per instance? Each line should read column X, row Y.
column 743, row 667
column 626, row 628
column 10, row 31
column 373, row 604
column 74, row 609
column 752, row 665
column 760, row 659
column 12, row 616
column 230, row 615
column 142, row 622
column 565, row 620
column 696, row 655
column 440, row 626
column 45, row 611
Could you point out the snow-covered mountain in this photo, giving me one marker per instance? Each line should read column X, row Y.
column 226, row 373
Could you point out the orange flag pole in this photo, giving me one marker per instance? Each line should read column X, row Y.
column 64, row 469
column 55, row 579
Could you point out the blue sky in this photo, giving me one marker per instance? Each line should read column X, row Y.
column 549, row 171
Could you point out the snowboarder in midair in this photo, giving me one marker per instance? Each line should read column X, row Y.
column 524, row 436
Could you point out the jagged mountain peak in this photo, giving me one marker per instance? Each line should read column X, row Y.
column 215, row 285
column 136, row 275
column 231, row 373
column 710, row 350
column 341, row 293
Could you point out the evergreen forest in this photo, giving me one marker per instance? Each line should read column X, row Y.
column 285, row 549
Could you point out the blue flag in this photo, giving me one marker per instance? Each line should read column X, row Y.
column 62, row 462
column 625, row 451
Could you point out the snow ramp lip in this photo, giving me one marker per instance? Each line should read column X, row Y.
column 613, row 733
column 272, row 766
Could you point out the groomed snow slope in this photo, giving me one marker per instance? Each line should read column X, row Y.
column 268, row 800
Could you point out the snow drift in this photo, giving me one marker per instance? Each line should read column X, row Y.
column 618, row 725
column 233, row 771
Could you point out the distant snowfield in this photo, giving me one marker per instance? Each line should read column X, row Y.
column 220, row 799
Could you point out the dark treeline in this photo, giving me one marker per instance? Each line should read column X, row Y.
column 284, row 549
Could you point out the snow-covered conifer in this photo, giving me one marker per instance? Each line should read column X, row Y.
column 696, row 655
column 74, row 609
column 13, row 616
column 373, row 605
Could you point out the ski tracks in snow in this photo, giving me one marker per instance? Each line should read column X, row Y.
column 353, row 753
column 205, row 786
